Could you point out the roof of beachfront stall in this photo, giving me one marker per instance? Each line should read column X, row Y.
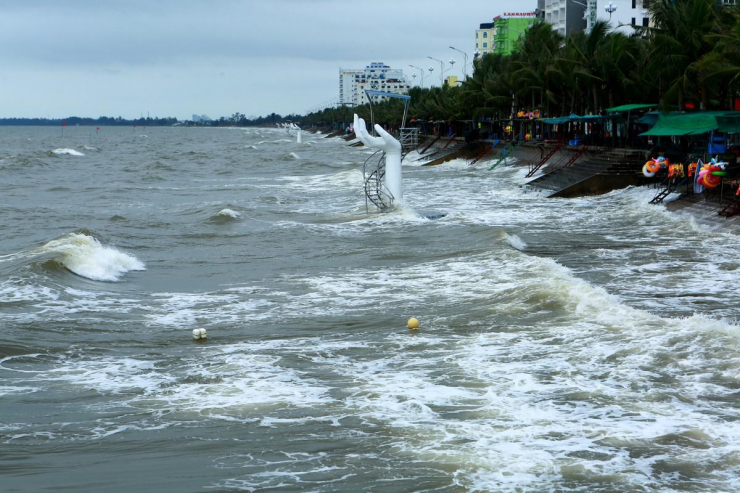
column 700, row 122
column 576, row 118
column 649, row 118
column 630, row 107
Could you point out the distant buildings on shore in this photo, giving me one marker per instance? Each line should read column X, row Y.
column 622, row 15
column 501, row 35
column 508, row 28
column 571, row 16
column 201, row 118
column 567, row 17
column 377, row 76
column 484, row 39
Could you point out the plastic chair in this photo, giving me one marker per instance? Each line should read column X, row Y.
column 717, row 144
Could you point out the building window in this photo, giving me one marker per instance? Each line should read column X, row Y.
column 645, row 21
column 485, row 34
column 645, row 4
column 634, row 4
column 633, row 22
column 476, row 34
column 485, row 45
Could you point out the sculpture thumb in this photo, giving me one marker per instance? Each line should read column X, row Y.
column 358, row 129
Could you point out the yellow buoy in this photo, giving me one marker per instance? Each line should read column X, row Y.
column 413, row 323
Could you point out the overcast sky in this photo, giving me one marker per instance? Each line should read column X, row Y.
column 179, row 57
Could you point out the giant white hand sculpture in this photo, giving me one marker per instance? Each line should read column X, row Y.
column 392, row 148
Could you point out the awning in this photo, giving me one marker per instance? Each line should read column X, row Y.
column 576, row 118
column 729, row 123
column 556, row 121
column 596, row 118
column 630, row 107
column 649, row 118
column 696, row 123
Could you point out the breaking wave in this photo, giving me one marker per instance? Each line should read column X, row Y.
column 87, row 257
column 69, row 152
column 225, row 215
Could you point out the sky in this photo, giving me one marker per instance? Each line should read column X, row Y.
column 217, row 57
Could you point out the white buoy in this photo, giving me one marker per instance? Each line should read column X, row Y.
column 199, row 334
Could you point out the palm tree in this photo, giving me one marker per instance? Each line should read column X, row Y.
column 680, row 39
column 533, row 64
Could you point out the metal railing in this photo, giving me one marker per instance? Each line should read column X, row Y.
column 409, row 139
column 373, row 173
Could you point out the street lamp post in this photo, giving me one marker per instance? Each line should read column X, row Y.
column 422, row 73
column 451, row 61
column 611, row 8
column 441, row 71
column 465, row 62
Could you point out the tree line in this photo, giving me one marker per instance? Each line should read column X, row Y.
column 100, row 121
column 688, row 59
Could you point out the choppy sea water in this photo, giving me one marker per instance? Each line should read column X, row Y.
column 566, row 345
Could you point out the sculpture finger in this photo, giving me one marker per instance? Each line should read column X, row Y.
column 389, row 140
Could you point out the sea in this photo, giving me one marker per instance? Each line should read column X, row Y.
column 565, row 345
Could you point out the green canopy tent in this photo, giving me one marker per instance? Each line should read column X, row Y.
column 695, row 123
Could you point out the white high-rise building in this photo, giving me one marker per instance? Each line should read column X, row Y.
column 622, row 15
column 347, row 86
column 377, row 75
column 565, row 16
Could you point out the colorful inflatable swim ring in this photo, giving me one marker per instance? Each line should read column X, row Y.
column 711, row 181
column 647, row 173
column 652, row 166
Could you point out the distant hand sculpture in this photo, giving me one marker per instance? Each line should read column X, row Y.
column 298, row 132
column 392, row 147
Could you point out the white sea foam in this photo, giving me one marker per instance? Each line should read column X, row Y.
column 87, row 257
column 294, row 155
column 250, row 147
column 15, row 290
column 233, row 381
column 348, row 179
column 69, row 152
column 515, row 241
